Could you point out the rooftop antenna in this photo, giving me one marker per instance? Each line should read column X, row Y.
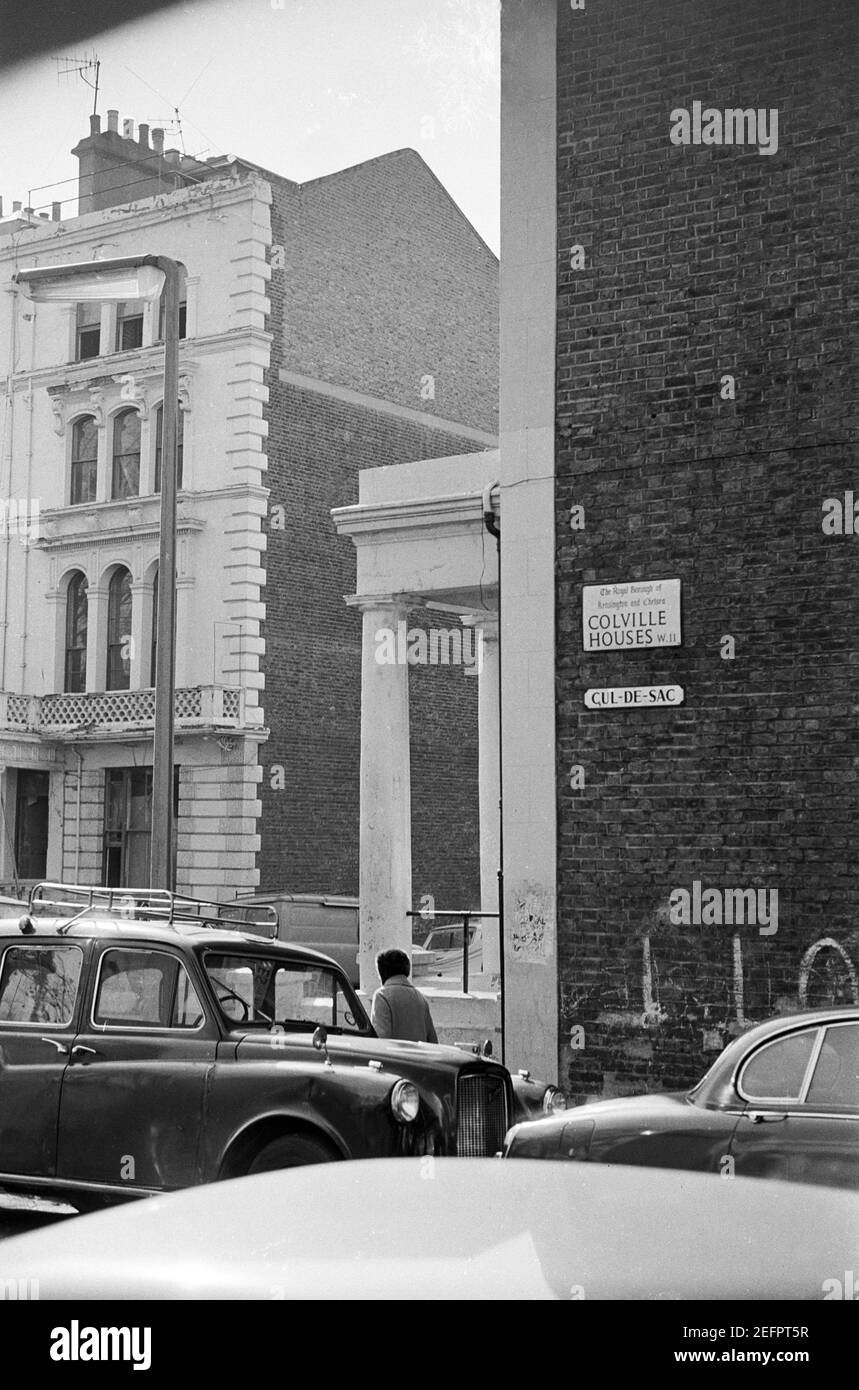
column 86, row 69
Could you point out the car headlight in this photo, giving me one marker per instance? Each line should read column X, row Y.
column 554, row 1100
column 405, row 1102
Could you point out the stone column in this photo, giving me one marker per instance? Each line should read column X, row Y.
column 489, row 782
column 385, row 807
column 96, row 651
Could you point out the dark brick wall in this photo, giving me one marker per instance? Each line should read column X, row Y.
column 313, row 669
column 703, row 261
column 387, row 283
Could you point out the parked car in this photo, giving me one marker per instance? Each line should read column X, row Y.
column 440, row 956
column 324, row 922
column 454, row 1229
column 146, row 1044
column 781, row 1101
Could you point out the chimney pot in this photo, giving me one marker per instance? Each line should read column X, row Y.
column 143, row 135
column 158, row 140
column 56, row 211
column 95, row 125
column 128, row 129
column 113, row 121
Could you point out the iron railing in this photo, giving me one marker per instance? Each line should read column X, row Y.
column 465, row 915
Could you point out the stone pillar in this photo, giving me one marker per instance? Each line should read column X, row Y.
column 141, row 595
column 96, row 651
column 489, row 783
column 385, row 847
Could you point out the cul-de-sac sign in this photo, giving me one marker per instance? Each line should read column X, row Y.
column 634, row 697
column 642, row 613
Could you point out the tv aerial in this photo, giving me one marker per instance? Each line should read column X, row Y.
column 86, row 68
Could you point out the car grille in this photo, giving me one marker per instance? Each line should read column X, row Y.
column 482, row 1118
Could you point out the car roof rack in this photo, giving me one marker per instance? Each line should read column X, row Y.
column 146, row 905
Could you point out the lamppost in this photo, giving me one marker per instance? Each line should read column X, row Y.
column 125, row 278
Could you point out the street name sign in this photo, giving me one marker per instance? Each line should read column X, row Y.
column 642, row 613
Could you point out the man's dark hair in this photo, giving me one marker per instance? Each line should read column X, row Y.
column 390, row 963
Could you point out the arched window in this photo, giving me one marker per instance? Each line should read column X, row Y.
column 154, row 644
column 119, row 631
column 74, row 679
column 180, row 443
column 84, row 460
column 126, row 455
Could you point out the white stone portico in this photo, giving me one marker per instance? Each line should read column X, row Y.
column 419, row 533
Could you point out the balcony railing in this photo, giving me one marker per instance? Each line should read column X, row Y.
column 199, row 706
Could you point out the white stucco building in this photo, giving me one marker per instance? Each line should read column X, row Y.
column 78, row 582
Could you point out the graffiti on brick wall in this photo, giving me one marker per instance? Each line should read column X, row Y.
column 827, row 975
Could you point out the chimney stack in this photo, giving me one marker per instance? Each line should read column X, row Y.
column 143, row 136
column 158, row 140
column 16, row 207
column 95, row 125
column 56, row 211
column 113, row 121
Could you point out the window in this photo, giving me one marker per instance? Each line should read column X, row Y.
column 74, row 679
column 129, row 325
column 84, row 460
column 88, row 332
column 119, row 631
column 31, row 823
column 145, row 988
column 180, row 446
column 255, row 989
column 836, row 1073
column 777, row 1071
column 126, row 455
column 39, row 985
column 128, row 825
column 153, row 650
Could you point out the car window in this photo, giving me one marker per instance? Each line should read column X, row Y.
column 145, row 988
column 259, row 990
column 39, row 984
column 777, row 1070
column 836, row 1072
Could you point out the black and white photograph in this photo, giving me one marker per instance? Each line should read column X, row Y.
column 429, row 670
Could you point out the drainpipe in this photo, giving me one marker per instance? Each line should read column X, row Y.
column 10, row 415
column 494, row 529
column 80, row 759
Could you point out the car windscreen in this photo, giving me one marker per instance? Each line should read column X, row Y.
column 265, row 991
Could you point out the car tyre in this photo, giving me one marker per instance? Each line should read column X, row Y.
column 291, row 1151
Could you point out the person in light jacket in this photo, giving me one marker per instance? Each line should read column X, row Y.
column 398, row 1009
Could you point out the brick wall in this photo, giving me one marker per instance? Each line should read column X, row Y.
column 703, row 261
column 387, row 284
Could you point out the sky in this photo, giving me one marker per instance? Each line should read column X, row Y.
column 302, row 87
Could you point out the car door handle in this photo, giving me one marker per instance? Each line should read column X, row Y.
column 61, row 1047
column 79, row 1047
column 765, row 1117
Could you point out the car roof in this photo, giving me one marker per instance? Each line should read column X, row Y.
column 482, row 1229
